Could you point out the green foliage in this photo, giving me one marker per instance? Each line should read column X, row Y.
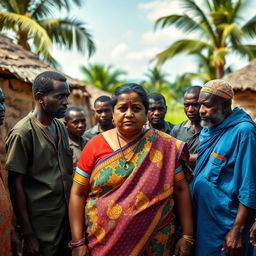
column 105, row 77
column 156, row 81
column 175, row 113
column 34, row 27
column 219, row 29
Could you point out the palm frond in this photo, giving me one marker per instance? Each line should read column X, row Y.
column 6, row 5
column 232, row 30
column 250, row 27
column 197, row 12
column 182, row 22
column 201, row 76
column 235, row 10
column 219, row 17
column 42, row 9
column 180, row 46
column 246, row 50
column 26, row 25
column 49, row 58
column 218, row 57
column 104, row 77
column 69, row 32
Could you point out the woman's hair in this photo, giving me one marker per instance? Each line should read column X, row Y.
column 130, row 87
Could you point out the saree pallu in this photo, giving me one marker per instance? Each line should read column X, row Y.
column 130, row 212
column 5, row 219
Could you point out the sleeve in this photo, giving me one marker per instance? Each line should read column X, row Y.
column 183, row 160
column 173, row 131
column 95, row 149
column 17, row 153
column 85, row 164
column 245, row 169
column 178, row 173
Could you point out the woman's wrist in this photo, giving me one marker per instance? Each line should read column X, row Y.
column 189, row 238
column 74, row 244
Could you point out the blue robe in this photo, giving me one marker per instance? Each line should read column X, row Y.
column 225, row 175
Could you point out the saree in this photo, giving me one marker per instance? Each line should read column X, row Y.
column 5, row 218
column 130, row 212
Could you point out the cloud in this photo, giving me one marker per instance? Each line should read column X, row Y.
column 157, row 9
column 163, row 36
column 118, row 51
column 127, row 35
column 145, row 54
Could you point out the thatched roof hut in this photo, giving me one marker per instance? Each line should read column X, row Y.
column 18, row 69
column 243, row 82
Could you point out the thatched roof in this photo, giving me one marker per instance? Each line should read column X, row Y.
column 95, row 92
column 25, row 65
column 244, row 78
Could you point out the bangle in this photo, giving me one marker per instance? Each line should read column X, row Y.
column 189, row 239
column 76, row 244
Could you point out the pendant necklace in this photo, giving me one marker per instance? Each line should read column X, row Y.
column 126, row 162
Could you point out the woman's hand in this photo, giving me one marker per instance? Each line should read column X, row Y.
column 183, row 248
column 81, row 251
column 253, row 234
column 233, row 242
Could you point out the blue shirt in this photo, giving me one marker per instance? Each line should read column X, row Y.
column 225, row 175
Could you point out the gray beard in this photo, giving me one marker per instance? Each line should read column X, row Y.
column 204, row 123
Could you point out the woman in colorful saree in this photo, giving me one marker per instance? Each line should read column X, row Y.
column 126, row 185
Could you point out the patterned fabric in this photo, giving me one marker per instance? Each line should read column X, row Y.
column 5, row 219
column 130, row 212
column 219, row 88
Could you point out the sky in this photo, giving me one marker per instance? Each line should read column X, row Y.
column 123, row 31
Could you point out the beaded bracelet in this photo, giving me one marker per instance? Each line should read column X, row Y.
column 76, row 244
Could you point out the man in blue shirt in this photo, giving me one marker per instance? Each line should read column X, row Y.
column 225, row 179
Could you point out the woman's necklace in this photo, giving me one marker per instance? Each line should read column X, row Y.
column 126, row 162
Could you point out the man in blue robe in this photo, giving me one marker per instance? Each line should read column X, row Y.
column 224, row 187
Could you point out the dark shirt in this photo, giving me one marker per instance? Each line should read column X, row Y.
column 167, row 127
column 185, row 132
column 77, row 149
column 90, row 133
column 48, row 168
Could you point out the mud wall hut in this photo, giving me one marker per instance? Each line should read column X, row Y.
column 18, row 69
column 243, row 82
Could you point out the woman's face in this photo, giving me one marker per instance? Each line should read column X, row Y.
column 129, row 114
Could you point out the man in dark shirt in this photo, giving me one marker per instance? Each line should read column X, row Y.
column 189, row 130
column 75, row 122
column 39, row 162
column 103, row 117
column 156, row 113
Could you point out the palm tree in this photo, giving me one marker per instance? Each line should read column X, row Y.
column 156, row 79
column 206, row 70
column 34, row 27
column 172, row 90
column 218, row 28
column 104, row 77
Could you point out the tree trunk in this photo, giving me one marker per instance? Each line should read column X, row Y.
column 219, row 71
column 23, row 40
